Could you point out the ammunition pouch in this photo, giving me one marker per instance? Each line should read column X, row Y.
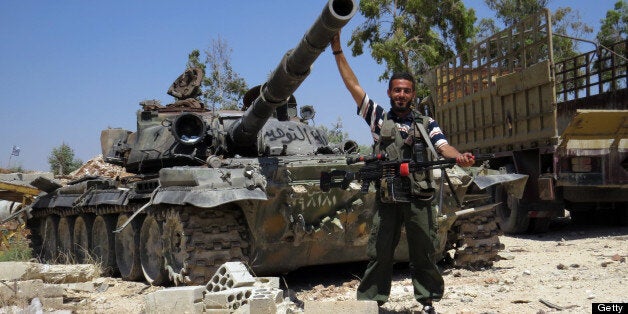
column 416, row 186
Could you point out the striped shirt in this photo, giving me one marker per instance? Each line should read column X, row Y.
column 373, row 114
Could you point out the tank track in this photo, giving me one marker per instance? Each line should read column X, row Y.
column 476, row 240
column 193, row 242
column 196, row 241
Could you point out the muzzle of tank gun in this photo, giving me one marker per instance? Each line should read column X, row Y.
column 291, row 71
column 188, row 128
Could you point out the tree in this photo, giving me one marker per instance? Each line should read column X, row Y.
column 615, row 25
column 510, row 12
column 412, row 35
column 221, row 85
column 62, row 161
column 565, row 21
column 336, row 135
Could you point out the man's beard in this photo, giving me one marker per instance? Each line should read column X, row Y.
column 398, row 109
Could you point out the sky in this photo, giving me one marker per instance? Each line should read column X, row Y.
column 71, row 68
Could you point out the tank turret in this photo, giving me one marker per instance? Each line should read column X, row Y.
column 188, row 133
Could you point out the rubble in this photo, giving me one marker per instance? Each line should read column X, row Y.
column 98, row 167
column 232, row 289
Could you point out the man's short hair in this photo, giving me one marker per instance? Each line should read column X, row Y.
column 402, row 76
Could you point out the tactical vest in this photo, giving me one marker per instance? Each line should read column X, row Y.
column 417, row 185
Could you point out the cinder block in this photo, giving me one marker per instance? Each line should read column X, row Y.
column 268, row 282
column 262, row 304
column 177, row 299
column 230, row 275
column 276, row 295
column 227, row 299
column 350, row 306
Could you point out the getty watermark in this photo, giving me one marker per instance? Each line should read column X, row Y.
column 609, row 308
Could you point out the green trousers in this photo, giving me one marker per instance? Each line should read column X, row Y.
column 421, row 225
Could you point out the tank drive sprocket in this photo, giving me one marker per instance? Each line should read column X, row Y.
column 196, row 241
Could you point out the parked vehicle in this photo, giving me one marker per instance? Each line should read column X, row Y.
column 563, row 123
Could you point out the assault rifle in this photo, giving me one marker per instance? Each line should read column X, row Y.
column 378, row 167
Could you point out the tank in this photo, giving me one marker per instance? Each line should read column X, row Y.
column 203, row 186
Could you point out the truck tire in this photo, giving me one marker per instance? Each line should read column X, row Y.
column 511, row 216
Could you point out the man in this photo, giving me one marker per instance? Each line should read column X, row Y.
column 398, row 133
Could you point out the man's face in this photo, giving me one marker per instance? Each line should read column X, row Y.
column 401, row 95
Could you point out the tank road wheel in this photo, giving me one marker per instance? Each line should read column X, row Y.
column 34, row 236
column 82, row 238
column 151, row 252
column 65, row 231
column 511, row 216
column 127, row 246
column 103, row 244
column 175, row 249
column 49, row 237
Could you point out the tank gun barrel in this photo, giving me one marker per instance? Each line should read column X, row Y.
column 291, row 71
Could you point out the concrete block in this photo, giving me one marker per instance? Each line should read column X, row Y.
column 14, row 270
column 63, row 273
column 230, row 275
column 52, row 303
column 50, row 290
column 218, row 311
column 177, row 299
column 349, row 306
column 228, row 299
column 79, row 286
column 262, row 304
column 276, row 295
column 268, row 282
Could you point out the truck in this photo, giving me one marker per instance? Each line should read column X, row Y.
column 563, row 123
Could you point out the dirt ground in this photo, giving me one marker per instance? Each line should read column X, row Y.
column 564, row 270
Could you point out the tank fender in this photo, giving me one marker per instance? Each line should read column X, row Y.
column 206, row 198
column 209, row 187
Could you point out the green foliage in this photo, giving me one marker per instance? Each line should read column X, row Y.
column 17, row 249
column 62, row 161
column 412, row 35
column 565, row 21
column 511, row 12
column 335, row 133
column 614, row 26
column 221, row 85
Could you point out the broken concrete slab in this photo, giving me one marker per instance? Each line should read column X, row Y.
column 349, row 306
column 48, row 273
column 176, row 300
column 29, row 289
